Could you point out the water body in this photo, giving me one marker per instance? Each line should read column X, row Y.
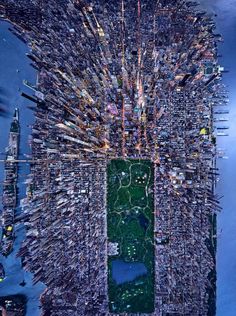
column 123, row 272
column 226, row 243
column 14, row 68
column 12, row 57
column 130, row 210
column 143, row 221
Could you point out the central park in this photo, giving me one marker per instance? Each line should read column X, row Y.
column 130, row 226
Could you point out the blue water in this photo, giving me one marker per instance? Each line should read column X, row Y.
column 12, row 57
column 123, row 272
column 226, row 243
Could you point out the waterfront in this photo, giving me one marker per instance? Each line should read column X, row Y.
column 226, row 256
column 174, row 174
column 15, row 67
column 226, row 242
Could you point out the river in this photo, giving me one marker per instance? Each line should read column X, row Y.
column 14, row 68
column 226, row 254
column 12, row 57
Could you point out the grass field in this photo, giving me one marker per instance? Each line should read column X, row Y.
column 130, row 224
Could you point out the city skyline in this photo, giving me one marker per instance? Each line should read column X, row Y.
column 138, row 106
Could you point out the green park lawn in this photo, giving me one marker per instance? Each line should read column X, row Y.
column 130, row 222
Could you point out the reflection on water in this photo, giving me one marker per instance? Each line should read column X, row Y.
column 226, row 220
column 123, row 272
column 14, row 68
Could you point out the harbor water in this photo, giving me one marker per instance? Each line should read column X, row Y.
column 224, row 13
column 14, row 68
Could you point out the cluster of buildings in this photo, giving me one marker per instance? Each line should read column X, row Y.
column 14, row 305
column 132, row 79
column 10, row 189
column 73, row 251
column 185, row 205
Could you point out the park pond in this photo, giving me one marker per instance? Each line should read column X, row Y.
column 123, row 272
column 130, row 229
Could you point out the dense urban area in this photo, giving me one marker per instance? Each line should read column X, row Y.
column 122, row 171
